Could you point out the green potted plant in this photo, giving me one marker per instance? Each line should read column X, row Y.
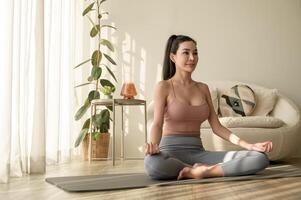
column 108, row 91
column 101, row 121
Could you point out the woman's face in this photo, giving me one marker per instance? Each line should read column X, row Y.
column 186, row 57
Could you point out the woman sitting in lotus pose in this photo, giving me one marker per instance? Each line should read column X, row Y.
column 180, row 106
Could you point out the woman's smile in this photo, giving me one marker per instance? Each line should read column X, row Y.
column 191, row 65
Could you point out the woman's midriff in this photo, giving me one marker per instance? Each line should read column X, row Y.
column 188, row 134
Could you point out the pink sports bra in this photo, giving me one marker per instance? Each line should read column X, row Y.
column 183, row 118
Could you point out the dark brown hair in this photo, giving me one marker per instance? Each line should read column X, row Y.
column 173, row 42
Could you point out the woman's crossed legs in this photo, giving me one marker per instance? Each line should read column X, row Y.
column 201, row 164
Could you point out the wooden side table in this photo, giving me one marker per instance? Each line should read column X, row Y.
column 114, row 103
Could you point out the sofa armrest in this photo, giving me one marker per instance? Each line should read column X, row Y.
column 287, row 111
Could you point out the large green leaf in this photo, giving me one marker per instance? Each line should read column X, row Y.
column 96, row 72
column 94, row 31
column 96, row 121
column 86, row 124
column 104, row 127
column 102, row 117
column 109, row 59
column 88, row 9
column 94, row 94
column 105, row 114
column 83, row 84
column 81, row 136
column 82, row 63
column 96, row 58
column 112, row 74
column 102, row 120
column 105, row 82
column 107, row 43
column 82, row 110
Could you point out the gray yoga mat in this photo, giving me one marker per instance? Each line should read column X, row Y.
column 140, row 180
column 102, row 182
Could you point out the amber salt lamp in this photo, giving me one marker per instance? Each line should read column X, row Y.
column 128, row 91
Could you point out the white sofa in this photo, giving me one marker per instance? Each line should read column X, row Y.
column 285, row 138
column 284, row 135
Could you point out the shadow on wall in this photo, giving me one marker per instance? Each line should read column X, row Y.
column 138, row 59
column 131, row 67
column 133, row 60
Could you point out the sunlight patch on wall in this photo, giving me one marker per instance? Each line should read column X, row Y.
column 142, row 68
column 128, row 47
column 133, row 65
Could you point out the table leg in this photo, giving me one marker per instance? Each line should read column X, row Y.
column 122, row 134
column 90, row 135
column 113, row 137
column 145, row 123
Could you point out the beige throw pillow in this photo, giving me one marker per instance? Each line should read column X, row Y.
column 237, row 101
column 265, row 101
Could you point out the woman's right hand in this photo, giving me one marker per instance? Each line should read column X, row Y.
column 151, row 149
column 262, row 146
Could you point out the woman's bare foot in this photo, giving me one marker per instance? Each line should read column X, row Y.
column 196, row 172
column 199, row 164
column 199, row 171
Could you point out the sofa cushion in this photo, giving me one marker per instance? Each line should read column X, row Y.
column 265, row 101
column 248, row 122
column 237, row 101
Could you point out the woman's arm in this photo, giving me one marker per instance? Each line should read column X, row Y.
column 160, row 98
column 226, row 134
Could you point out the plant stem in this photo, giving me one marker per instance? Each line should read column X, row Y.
column 99, row 37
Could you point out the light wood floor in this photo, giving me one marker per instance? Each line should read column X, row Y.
column 34, row 187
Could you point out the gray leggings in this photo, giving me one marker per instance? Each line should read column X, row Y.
column 177, row 152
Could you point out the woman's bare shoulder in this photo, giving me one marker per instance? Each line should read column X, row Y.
column 163, row 86
column 202, row 86
column 163, row 83
column 204, row 89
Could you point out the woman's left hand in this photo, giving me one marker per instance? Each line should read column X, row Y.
column 262, row 146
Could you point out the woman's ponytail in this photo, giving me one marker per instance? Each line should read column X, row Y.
column 169, row 68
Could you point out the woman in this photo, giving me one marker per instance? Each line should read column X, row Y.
column 180, row 106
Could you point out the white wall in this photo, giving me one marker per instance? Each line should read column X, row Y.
column 254, row 41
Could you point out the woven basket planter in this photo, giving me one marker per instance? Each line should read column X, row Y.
column 100, row 147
